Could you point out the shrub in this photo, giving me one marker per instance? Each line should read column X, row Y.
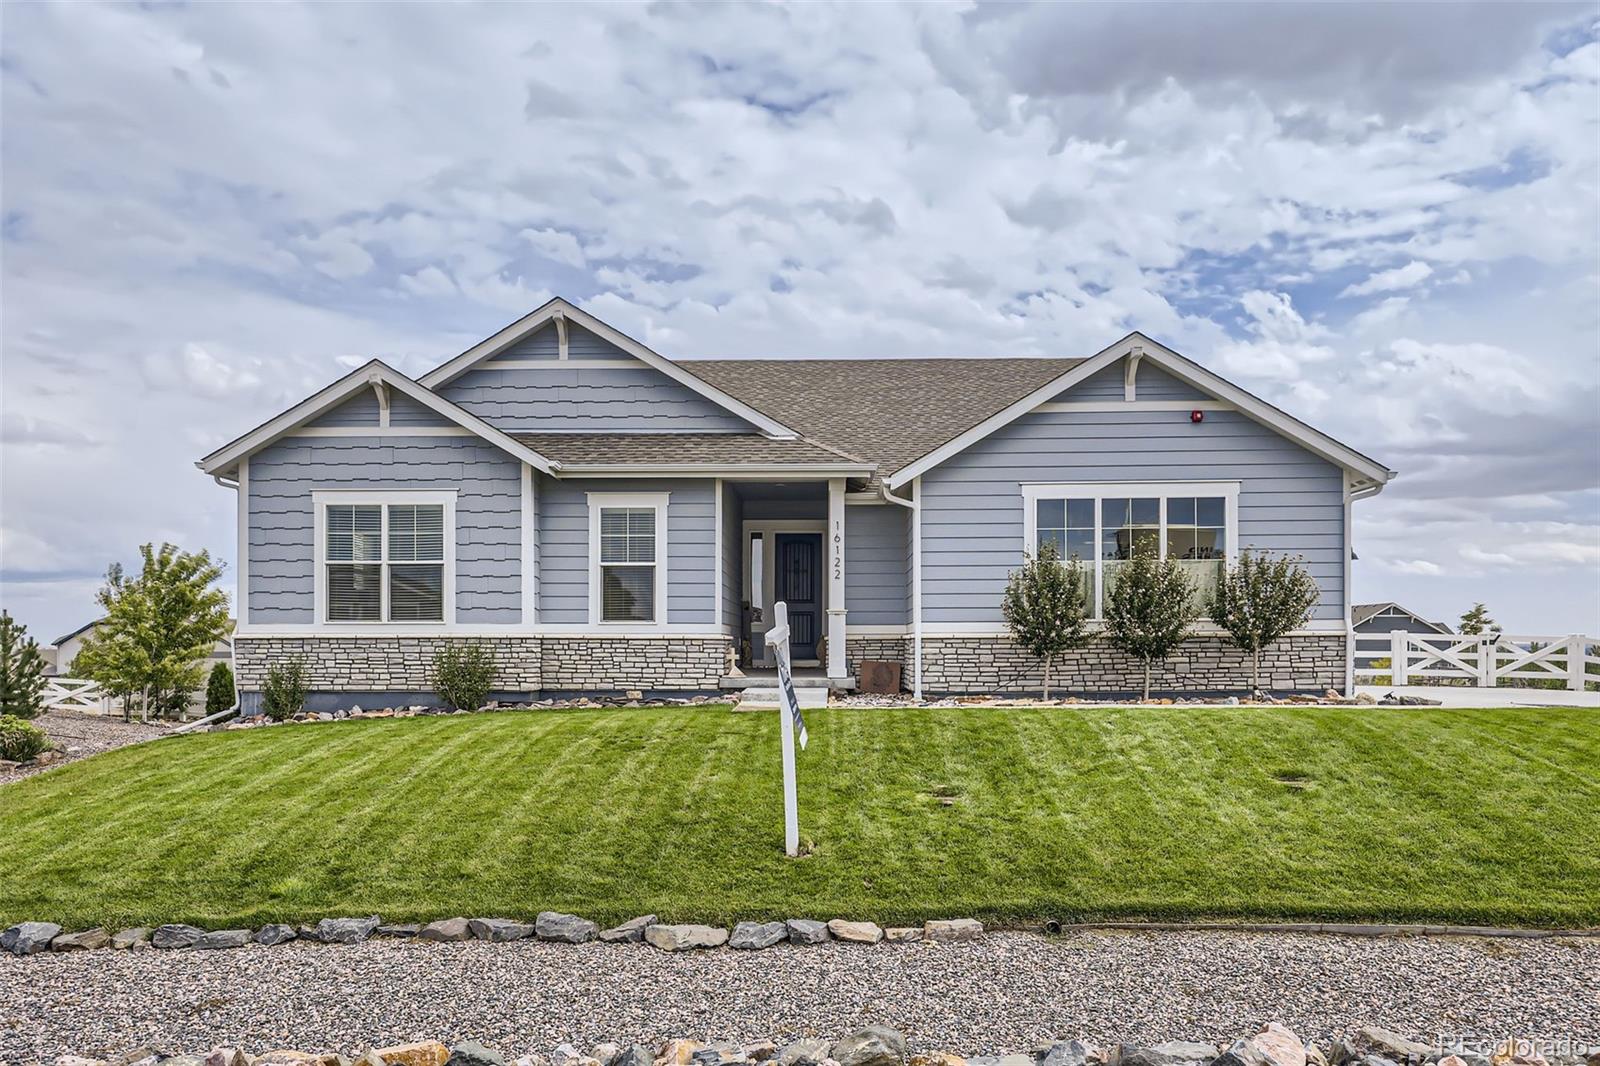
column 463, row 674
column 284, row 694
column 21, row 671
column 19, row 740
column 219, row 689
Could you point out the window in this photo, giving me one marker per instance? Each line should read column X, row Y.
column 384, row 561
column 628, row 546
column 1103, row 525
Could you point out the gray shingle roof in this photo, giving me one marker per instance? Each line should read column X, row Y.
column 734, row 449
column 887, row 411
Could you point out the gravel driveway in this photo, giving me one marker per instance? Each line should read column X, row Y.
column 1006, row 992
column 85, row 735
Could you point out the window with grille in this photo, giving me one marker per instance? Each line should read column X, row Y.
column 384, row 562
column 628, row 564
column 1102, row 526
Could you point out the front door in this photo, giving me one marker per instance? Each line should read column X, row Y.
column 797, row 581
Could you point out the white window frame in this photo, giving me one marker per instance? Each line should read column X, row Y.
column 655, row 500
column 1099, row 490
column 321, row 500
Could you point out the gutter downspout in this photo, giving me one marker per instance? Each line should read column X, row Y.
column 914, row 505
column 238, row 697
column 1350, row 497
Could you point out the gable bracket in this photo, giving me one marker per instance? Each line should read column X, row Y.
column 381, row 391
column 562, row 352
column 1130, row 373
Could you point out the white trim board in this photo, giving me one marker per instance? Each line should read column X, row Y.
column 654, row 500
column 375, row 631
column 321, row 499
column 1179, row 367
column 561, row 311
column 380, row 431
column 368, row 376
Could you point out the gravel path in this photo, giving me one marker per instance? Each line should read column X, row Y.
column 85, row 735
column 1006, row 992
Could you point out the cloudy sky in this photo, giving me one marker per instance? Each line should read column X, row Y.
column 1383, row 219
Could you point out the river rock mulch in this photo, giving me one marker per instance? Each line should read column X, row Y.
column 1003, row 993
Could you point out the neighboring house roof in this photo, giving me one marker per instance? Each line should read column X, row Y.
column 559, row 312
column 1365, row 612
column 579, row 451
column 886, row 411
column 373, row 374
column 81, row 629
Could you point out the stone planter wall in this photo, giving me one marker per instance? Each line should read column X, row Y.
column 956, row 665
column 346, row 670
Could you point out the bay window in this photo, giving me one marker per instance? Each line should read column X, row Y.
column 1103, row 525
column 384, row 557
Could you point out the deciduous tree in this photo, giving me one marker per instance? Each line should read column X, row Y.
column 1260, row 600
column 1149, row 608
column 1045, row 607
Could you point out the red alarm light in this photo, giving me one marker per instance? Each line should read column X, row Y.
column 1197, row 416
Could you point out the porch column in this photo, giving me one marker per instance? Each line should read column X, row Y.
column 836, row 662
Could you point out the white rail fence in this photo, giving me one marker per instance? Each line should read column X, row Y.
column 1494, row 660
column 77, row 694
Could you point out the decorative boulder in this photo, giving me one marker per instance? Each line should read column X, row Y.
column 630, row 931
column 128, row 939
column 346, row 930
column 447, row 931
column 227, row 1056
column 564, row 928
column 224, row 938
column 401, row 931
column 902, row 934
column 88, row 940
column 752, row 936
column 29, row 938
column 855, row 933
column 472, row 1053
column 169, row 937
column 685, row 937
column 273, row 935
column 876, row 1045
column 1170, row 1053
column 499, row 930
column 635, row 1055
column 423, row 1053
column 1068, row 1053
column 808, row 1051
column 806, row 931
column 952, row 930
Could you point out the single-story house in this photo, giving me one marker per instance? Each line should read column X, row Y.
column 1385, row 618
column 607, row 518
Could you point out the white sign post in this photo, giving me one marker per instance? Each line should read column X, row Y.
column 789, row 723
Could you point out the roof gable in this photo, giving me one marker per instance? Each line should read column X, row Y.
column 373, row 374
column 558, row 313
column 1140, row 348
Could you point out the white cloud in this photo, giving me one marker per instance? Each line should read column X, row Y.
column 1401, row 277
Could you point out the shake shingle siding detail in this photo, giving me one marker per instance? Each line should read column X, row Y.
column 488, row 517
column 571, row 397
column 1290, row 500
column 563, row 517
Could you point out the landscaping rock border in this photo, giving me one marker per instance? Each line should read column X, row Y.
column 1273, row 1044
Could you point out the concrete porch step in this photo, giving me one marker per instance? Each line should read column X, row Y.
column 757, row 698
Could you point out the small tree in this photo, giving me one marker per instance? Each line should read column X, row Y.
column 283, row 694
column 463, row 674
column 1045, row 607
column 1149, row 608
column 219, row 689
column 158, row 631
column 1476, row 622
column 21, row 670
column 1261, row 600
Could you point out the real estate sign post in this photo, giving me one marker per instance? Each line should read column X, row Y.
column 790, row 722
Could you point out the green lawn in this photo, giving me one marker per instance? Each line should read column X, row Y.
column 1297, row 813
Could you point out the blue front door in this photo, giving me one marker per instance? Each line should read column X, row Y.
column 798, row 582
